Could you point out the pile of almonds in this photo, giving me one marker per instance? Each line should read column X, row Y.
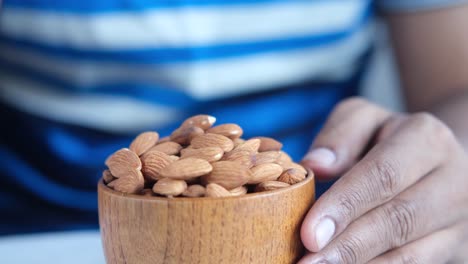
column 199, row 159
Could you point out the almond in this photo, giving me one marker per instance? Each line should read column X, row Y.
column 250, row 145
column 170, row 148
column 107, row 176
column 170, row 187
column 268, row 144
column 164, row 139
column 131, row 183
column 202, row 121
column 265, row 172
column 184, row 135
column 143, row 142
column 123, row 162
column 284, row 160
column 152, row 164
column 111, row 184
column 237, row 142
column 231, row 131
column 212, row 140
column 244, row 157
column 147, row 192
column 229, row 174
column 270, row 186
column 174, row 157
column 238, row 191
column 195, row 190
column 266, row 157
column 292, row 176
column 296, row 166
column 216, row 190
column 210, row 154
column 188, row 168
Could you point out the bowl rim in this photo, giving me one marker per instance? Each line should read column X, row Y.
column 310, row 177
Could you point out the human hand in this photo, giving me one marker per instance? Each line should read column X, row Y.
column 403, row 193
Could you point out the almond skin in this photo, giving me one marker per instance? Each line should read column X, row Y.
column 185, row 169
column 164, row 139
column 202, row 121
column 210, row 154
column 238, row 191
column 231, row 131
column 111, row 184
column 184, row 135
column 169, row 187
column 131, row 183
column 296, row 166
column 147, row 192
column 266, row 157
column 170, row 148
column 268, row 144
column 244, row 157
column 250, row 145
column 237, row 142
column 284, row 160
column 143, row 142
column 152, row 164
column 174, row 157
column 195, row 190
column 107, row 176
column 270, row 186
column 123, row 162
column 229, row 174
column 292, row 176
column 265, row 172
column 212, row 140
column 216, row 190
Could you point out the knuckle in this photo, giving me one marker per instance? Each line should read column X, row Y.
column 348, row 204
column 401, row 217
column 351, row 103
column 434, row 130
column 350, row 250
column 387, row 177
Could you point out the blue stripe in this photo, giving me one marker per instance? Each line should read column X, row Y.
column 272, row 114
column 161, row 56
column 77, row 149
column 101, row 6
column 22, row 174
column 150, row 93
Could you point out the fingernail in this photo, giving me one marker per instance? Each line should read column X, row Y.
column 323, row 157
column 324, row 232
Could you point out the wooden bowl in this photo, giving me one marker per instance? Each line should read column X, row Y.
column 254, row 228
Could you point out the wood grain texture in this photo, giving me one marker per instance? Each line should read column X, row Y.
column 253, row 228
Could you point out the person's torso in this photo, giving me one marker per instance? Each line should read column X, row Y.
column 80, row 78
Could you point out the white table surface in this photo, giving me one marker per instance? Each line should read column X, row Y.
column 65, row 247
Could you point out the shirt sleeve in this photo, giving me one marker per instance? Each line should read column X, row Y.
column 415, row 5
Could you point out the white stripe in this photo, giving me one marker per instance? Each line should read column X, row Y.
column 330, row 63
column 210, row 79
column 110, row 113
column 181, row 27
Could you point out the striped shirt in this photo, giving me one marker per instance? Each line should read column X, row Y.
column 79, row 79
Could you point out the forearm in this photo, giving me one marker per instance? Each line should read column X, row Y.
column 454, row 112
column 433, row 58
